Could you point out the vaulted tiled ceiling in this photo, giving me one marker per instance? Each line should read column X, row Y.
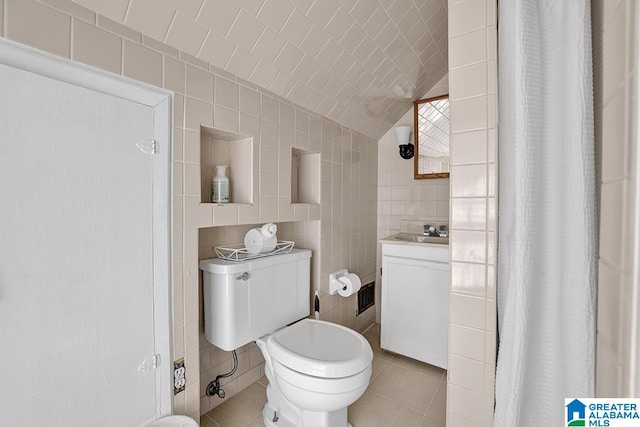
column 358, row 62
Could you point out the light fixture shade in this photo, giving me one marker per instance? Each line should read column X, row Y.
column 403, row 134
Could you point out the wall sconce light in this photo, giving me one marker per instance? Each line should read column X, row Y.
column 403, row 136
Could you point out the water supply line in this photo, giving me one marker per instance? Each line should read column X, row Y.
column 214, row 389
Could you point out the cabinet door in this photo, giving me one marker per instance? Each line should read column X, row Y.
column 415, row 309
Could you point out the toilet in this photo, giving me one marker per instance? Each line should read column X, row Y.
column 316, row 369
column 173, row 421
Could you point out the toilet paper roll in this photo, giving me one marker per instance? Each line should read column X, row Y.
column 269, row 230
column 270, row 239
column 269, row 244
column 350, row 284
column 254, row 241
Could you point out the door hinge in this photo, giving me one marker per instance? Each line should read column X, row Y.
column 148, row 146
column 151, row 363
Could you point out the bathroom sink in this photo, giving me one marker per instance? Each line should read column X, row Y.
column 418, row 238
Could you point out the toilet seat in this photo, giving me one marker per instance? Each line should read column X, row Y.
column 320, row 349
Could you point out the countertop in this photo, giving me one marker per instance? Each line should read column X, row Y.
column 405, row 239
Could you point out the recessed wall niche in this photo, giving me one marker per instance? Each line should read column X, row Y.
column 305, row 176
column 220, row 147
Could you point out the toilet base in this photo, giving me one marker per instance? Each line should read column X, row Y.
column 268, row 415
column 309, row 419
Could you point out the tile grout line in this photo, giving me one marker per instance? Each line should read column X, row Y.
column 210, row 419
column 411, row 368
column 433, row 398
column 395, row 402
column 259, row 416
column 401, row 403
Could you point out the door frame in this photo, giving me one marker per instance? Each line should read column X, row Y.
column 41, row 63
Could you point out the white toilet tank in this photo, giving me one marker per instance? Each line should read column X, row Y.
column 246, row 300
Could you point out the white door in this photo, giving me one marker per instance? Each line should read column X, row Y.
column 76, row 256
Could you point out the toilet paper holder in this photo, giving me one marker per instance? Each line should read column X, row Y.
column 336, row 285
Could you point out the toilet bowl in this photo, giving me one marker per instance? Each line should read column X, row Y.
column 173, row 421
column 315, row 370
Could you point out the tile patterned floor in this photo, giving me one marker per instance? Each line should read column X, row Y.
column 402, row 392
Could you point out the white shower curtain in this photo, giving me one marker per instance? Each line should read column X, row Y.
column 547, row 215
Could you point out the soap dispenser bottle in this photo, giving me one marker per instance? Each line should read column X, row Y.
column 220, row 186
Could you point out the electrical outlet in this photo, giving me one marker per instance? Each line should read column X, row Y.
column 179, row 376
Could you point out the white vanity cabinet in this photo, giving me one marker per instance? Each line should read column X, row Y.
column 415, row 301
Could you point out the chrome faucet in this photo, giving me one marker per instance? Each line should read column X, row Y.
column 431, row 231
column 428, row 229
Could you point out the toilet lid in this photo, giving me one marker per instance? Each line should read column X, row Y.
column 320, row 349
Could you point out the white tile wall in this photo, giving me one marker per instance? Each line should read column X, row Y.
column 472, row 318
column 97, row 47
column 141, row 63
column 72, row 9
column 39, row 26
column 151, row 18
column 400, row 197
column 616, row 75
column 185, row 35
column 289, row 47
column 159, row 46
column 340, row 230
column 204, row 95
column 114, row 10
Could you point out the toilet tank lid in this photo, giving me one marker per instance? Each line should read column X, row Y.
column 222, row 266
column 320, row 349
